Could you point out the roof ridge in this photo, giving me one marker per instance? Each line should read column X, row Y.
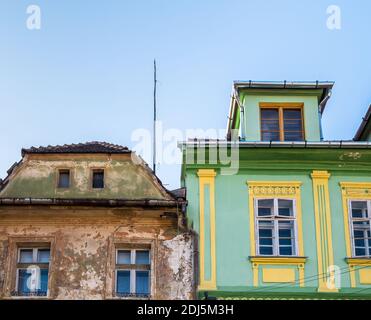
column 86, row 147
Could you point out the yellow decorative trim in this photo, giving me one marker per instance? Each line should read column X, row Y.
column 278, row 260
column 320, row 175
column 255, row 270
column 365, row 276
column 322, row 213
column 278, row 275
column 353, row 191
column 359, row 262
column 299, row 262
column 207, row 177
column 269, row 189
column 206, row 173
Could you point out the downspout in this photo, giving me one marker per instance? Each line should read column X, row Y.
column 242, row 113
column 320, row 109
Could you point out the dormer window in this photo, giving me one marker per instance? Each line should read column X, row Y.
column 281, row 124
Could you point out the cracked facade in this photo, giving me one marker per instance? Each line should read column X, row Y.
column 86, row 231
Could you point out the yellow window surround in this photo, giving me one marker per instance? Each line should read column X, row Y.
column 353, row 191
column 276, row 189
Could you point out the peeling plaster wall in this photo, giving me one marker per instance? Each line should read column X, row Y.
column 37, row 177
column 83, row 242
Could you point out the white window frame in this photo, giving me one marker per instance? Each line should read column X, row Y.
column 34, row 262
column 133, row 252
column 275, row 235
column 351, row 220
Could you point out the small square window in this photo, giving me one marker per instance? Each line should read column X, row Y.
column 98, row 179
column 64, row 179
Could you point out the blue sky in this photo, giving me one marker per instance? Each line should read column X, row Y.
column 87, row 74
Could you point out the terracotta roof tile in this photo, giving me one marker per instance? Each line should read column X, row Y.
column 88, row 147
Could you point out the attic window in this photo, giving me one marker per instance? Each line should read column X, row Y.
column 64, row 179
column 281, row 124
column 98, row 179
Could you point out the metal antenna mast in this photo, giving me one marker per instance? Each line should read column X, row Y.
column 154, row 115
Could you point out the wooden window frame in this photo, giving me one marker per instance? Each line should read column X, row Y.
column 281, row 107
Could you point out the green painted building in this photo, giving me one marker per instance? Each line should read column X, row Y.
column 280, row 212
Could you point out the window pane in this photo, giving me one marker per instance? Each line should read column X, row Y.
column 359, row 209
column 43, row 255
column 142, row 282
column 359, row 242
column 285, row 242
column 358, row 234
column 44, row 273
column 292, row 124
column 265, row 207
column 26, row 256
column 123, row 282
column 142, row 257
column 285, row 208
column 286, row 251
column 360, row 252
column 265, row 241
column 293, row 136
column 266, row 251
column 23, row 287
column 265, row 233
column 64, row 179
column 270, row 127
column 98, row 179
column 285, row 233
column 270, row 136
column 269, row 114
column 123, row 257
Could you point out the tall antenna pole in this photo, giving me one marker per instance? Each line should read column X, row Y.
column 154, row 115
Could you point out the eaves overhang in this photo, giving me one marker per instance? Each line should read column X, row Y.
column 326, row 86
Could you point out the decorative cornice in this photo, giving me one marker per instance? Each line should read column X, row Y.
column 356, row 189
column 274, row 188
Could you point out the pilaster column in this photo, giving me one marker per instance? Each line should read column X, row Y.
column 207, row 229
column 322, row 212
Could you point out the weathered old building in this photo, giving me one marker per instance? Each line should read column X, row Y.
column 91, row 221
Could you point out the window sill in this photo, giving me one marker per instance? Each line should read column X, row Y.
column 28, row 298
column 278, row 260
column 359, row 261
column 131, row 297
